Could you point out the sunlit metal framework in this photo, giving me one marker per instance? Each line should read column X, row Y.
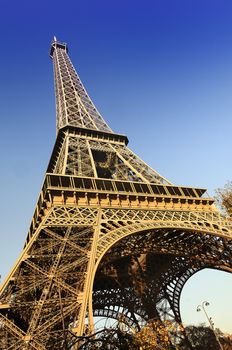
column 110, row 237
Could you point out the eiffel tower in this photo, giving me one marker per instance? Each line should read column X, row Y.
column 110, row 237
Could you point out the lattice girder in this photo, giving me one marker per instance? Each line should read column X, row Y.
column 109, row 236
column 106, row 157
column 58, row 248
column 44, row 293
column 206, row 250
column 85, row 145
column 150, row 296
column 74, row 106
column 131, row 221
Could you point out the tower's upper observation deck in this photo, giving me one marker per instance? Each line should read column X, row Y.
column 57, row 44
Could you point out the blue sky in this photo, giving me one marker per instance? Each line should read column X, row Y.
column 158, row 71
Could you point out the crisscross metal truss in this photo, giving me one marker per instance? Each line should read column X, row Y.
column 73, row 105
column 44, row 293
column 141, row 276
column 130, row 258
column 121, row 248
column 71, row 215
column 82, row 156
column 119, row 223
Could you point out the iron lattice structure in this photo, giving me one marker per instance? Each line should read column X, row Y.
column 110, row 237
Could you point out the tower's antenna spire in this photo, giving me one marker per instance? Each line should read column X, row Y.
column 57, row 44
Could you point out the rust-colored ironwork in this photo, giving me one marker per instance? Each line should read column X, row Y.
column 110, row 237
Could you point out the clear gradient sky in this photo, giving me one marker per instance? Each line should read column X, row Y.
column 159, row 71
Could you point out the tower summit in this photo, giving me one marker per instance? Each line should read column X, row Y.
column 110, row 237
column 73, row 105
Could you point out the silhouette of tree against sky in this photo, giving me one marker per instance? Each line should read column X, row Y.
column 224, row 198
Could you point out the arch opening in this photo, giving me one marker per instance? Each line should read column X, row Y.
column 143, row 273
column 213, row 286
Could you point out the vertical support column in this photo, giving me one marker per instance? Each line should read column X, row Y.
column 87, row 294
column 91, row 158
column 65, row 162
